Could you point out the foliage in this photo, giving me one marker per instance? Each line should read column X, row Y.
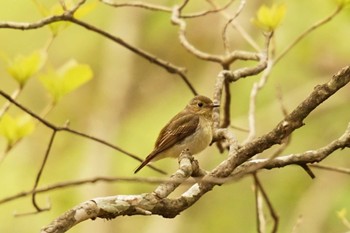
column 65, row 79
column 269, row 18
column 22, row 67
column 15, row 128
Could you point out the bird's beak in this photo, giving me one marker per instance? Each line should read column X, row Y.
column 215, row 105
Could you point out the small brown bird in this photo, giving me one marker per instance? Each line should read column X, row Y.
column 191, row 129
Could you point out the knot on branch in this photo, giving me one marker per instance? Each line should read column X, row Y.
column 187, row 166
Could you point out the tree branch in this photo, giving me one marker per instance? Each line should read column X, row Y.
column 65, row 128
column 143, row 204
column 308, row 157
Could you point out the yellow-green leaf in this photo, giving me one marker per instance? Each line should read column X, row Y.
column 21, row 68
column 57, row 9
column 66, row 79
column 85, row 9
column 14, row 129
column 269, row 18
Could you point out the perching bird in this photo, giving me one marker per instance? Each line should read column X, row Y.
column 191, row 129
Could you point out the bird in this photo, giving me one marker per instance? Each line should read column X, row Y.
column 191, row 129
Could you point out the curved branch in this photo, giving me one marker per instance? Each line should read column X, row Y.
column 308, row 157
column 308, row 31
column 68, row 16
column 114, row 206
column 291, row 122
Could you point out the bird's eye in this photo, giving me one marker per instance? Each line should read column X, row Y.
column 200, row 104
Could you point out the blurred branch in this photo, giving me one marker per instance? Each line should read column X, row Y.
column 224, row 60
column 257, row 86
column 148, row 56
column 237, row 26
column 68, row 16
column 49, row 146
column 330, row 168
column 308, row 31
column 229, row 21
column 260, row 189
column 138, row 4
column 176, row 19
column 66, row 129
column 260, row 217
column 155, row 7
column 297, row 224
column 7, row 105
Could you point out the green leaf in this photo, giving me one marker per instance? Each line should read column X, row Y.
column 85, row 9
column 270, row 18
column 66, row 79
column 21, row 68
column 14, row 129
column 57, row 9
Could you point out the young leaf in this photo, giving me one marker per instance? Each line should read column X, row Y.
column 57, row 9
column 14, row 129
column 21, row 68
column 66, row 79
column 269, row 18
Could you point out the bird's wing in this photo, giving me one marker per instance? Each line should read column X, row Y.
column 176, row 130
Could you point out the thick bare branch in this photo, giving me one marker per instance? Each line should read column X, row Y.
column 308, row 157
column 291, row 122
column 114, row 206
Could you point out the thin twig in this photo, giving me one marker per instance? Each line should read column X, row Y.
column 176, row 19
column 297, row 224
column 56, row 128
column 268, row 202
column 137, row 4
column 37, row 179
column 68, row 17
column 238, row 27
column 224, row 31
column 257, row 86
column 94, row 180
column 260, row 218
column 308, row 31
column 155, row 7
column 150, row 57
column 7, row 105
column 207, row 12
column 330, row 168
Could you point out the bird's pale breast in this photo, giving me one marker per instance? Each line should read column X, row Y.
column 195, row 142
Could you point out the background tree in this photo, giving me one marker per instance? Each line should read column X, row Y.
column 98, row 95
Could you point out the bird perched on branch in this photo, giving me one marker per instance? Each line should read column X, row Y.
column 190, row 129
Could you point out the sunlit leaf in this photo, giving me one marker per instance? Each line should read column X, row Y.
column 66, row 79
column 342, row 216
column 21, row 68
column 86, row 9
column 57, row 9
column 14, row 129
column 269, row 18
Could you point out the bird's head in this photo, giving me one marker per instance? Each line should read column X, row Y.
column 201, row 105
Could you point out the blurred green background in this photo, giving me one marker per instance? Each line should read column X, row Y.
column 130, row 99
